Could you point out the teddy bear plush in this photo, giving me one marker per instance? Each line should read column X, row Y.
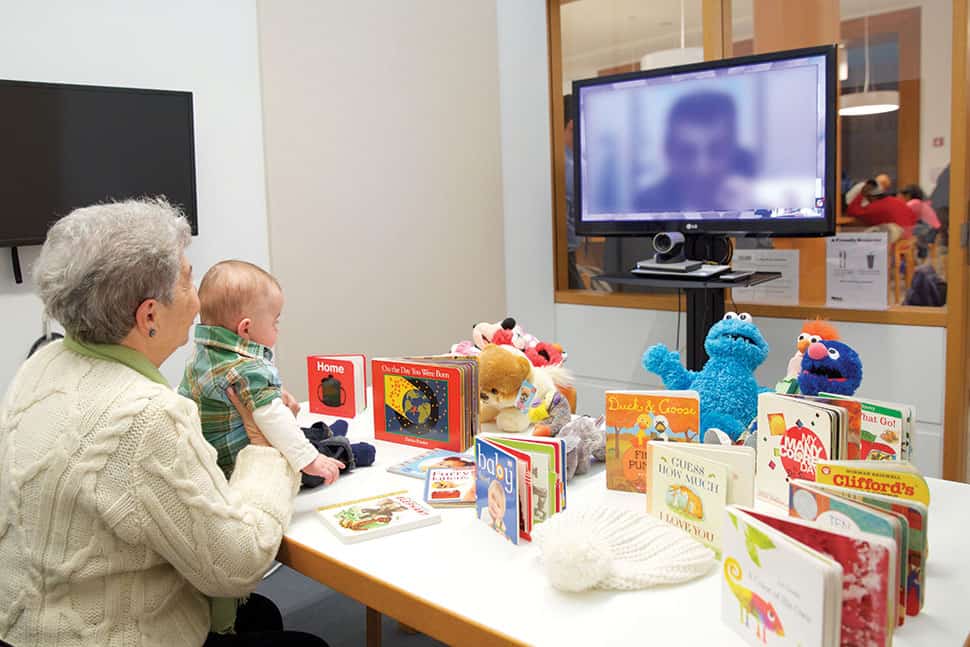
column 515, row 394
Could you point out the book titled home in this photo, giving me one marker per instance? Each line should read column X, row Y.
column 337, row 385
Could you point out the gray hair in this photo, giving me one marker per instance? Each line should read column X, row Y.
column 99, row 263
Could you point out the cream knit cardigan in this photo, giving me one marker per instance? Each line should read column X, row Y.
column 115, row 520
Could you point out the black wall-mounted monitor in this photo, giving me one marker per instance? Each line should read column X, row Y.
column 734, row 146
column 69, row 146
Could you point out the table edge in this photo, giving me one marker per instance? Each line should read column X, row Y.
column 438, row 622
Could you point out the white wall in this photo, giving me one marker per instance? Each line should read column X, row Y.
column 208, row 47
column 605, row 344
column 384, row 174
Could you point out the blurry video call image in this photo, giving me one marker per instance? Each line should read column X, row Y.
column 732, row 143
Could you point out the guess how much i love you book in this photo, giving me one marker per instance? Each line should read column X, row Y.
column 633, row 418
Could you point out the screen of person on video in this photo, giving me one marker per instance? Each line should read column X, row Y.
column 730, row 143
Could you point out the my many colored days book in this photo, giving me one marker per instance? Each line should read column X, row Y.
column 812, row 503
column 689, row 485
column 429, row 402
column 446, row 487
column 887, row 429
column 917, row 517
column 792, row 582
column 338, row 384
column 503, row 490
column 633, row 418
column 418, row 465
column 794, row 433
column 548, row 459
column 377, row 516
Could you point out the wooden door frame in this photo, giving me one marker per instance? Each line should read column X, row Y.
column 956, row 316
column 957, row 398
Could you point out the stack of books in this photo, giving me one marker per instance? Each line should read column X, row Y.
column 846, row 566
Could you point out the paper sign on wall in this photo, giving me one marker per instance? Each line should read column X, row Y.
column 857, row 271
column 781, row 291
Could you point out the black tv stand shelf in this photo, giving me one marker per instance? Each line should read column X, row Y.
column 685, row 282
column 705, row 302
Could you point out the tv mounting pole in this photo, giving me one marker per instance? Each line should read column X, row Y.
column 18, row 275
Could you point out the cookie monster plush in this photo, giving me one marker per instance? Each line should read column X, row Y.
column 726, row 384
column 830, row 367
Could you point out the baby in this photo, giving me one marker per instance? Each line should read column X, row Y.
column 240, row 311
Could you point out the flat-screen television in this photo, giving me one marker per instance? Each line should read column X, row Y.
column 69, row 146
column 734, row 146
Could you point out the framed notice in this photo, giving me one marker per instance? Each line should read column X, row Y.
column 857, row 271
column 781, row 291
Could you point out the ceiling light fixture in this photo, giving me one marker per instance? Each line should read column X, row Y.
column 868, row 102
column 682, row 55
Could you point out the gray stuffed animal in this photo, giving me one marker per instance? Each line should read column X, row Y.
column 585, row 442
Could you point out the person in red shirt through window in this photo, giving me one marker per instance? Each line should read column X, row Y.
column 875, row 207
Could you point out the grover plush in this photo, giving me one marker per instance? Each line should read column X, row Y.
column 830, row 367
column 726, row 385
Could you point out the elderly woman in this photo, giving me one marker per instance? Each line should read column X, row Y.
column 117, row 526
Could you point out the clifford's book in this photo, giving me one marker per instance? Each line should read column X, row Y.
column 377, row 516
column 426, row 402
column 503, row 490
column 791, row 582
column 418, row 466
column 634, row 418
column 338, row 384
column 916, row 516
column 811, row 503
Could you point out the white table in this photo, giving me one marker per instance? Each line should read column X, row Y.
column 458, row 582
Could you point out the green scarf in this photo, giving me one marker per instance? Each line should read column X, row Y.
column 222, row 610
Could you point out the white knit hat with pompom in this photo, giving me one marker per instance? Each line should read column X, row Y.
column 609, row 548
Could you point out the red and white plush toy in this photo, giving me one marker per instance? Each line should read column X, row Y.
column 508, row 333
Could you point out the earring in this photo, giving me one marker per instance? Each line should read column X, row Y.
column 151, row 332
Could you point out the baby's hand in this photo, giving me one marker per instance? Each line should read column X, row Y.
column 325, row 467
column 290, row 402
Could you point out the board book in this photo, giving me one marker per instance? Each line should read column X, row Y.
column 917, row 517
column 446, row 487
column 548, row 457
column 503, row 489
column 377, row 516
column 429, row 402
column 418, row 466
column 887, row 429
column 897, row 478
column 794, row 433
column 688, row 490
column 338, row 384
column 796, row 572
column 633, row 418
column 811, row 503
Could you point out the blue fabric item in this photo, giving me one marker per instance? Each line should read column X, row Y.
column 339, row 428
column 839, row 372
column 726, row 385
column 364, row 453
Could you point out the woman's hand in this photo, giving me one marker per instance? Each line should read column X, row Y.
column 256, row 437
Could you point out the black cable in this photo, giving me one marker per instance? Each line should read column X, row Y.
column 677, row 346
